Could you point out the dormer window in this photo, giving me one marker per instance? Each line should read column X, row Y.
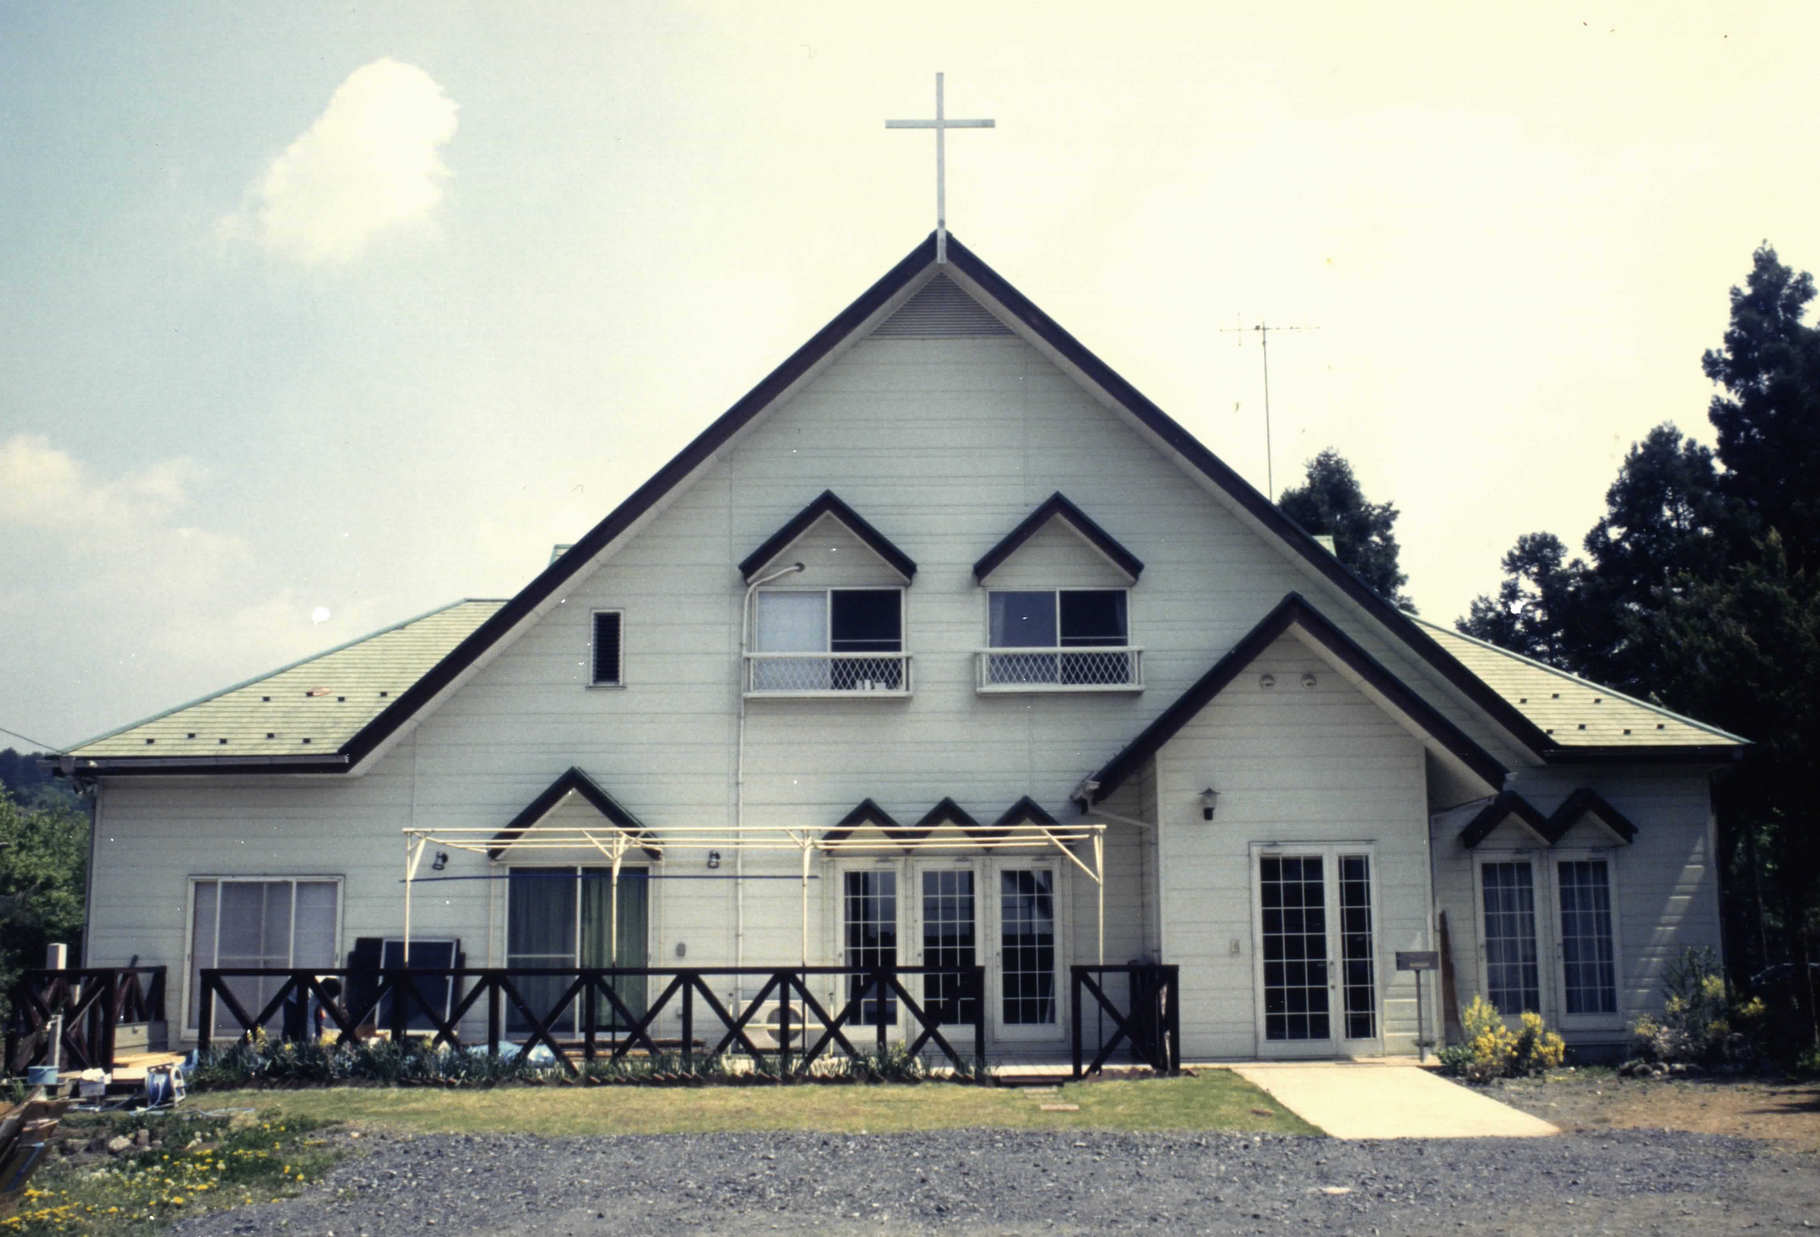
column 827, row 641
column 1059, row 640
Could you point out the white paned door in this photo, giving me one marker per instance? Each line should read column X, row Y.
column 1315, row 941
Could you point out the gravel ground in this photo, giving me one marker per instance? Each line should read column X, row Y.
column 984, row 1181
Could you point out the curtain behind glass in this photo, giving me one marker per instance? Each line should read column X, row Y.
column 597, row 942
column 790, row 622
column 540, row 931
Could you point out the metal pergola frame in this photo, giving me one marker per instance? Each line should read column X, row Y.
column 613, row 843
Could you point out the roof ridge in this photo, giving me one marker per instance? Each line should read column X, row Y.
column 1572, row 677
column 260, row 678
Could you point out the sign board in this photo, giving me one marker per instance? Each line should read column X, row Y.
column 1418, row 960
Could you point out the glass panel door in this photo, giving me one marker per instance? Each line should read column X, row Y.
column 1317, row 962
column 869, row 925
column 950, row 937
column 1027, row 1005
column 1513, row 980
column 1589, row 965
column 626, row 947
column 540, row 932
column 1292, row 893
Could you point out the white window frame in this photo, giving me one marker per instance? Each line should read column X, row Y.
column 1614, row 1021
column 988, row 928
column 191, row 1019
column 827, row 591
column 1330, row 854
column 593, row 636
column 983, row 656
column 1542, row 890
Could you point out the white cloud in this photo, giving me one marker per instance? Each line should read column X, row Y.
column 117, row 601
column 370, row 163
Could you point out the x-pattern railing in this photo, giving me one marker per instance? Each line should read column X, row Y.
column 687, row 991
column 1150, row 1021
column 92, row 1001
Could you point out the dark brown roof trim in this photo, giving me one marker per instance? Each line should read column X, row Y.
column 641, row 500
column 866, row 813
column 1506, row 804
column 1664, row 754
column 1058, row 507
column 1551, row 828
column 589, row 789
column 117, row 766
column 947, row 812
column 1588, row 802
column 1242, row 491
column 1293, row 611
column 827, row 504
column 710, row 440
column 1026, row 811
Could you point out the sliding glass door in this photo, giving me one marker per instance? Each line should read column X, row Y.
column 563, row 917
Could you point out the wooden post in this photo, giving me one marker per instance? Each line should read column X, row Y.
column 688, row 1027
column 1074, row 973
column 878, row 986
column 493, row 1013
column 979, row 1021
column 783, row 1023
column 205, row 1017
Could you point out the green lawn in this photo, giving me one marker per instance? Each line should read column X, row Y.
column 1216, row 1100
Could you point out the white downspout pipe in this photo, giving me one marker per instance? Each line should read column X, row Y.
column 739, row 780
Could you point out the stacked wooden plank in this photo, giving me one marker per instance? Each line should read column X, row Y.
column 25, row 1138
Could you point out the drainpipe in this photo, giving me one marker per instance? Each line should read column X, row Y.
column 739, row 781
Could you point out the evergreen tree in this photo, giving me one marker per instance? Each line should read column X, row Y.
column 1332, row 503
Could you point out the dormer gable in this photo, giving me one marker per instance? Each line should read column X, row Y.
column 835, row 544
column 1059, row 545
column 574, row 802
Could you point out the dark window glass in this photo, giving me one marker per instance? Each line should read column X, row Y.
column 866, row 621
column 1093, row 618
column 606, row 646
column 1023, row 620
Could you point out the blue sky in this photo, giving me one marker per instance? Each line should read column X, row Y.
column 315, row 319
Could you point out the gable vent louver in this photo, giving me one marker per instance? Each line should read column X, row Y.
column 941, row 311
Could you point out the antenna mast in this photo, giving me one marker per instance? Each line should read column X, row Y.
column 1263, row 330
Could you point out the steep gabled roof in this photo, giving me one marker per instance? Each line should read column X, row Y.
column 1552, row 828
column 576, row 782
column 964, row 267
column 827, row 505
column 1057, row 507
column 1295, row 612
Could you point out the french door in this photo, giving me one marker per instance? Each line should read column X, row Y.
column 1548, row 936
column 1315, row 944
column 961, row 912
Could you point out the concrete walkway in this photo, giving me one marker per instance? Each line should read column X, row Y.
column 1350, row 1100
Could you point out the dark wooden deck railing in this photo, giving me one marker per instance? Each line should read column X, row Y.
column 806, row 1030
column 1150, row 1023
column 93, row 1002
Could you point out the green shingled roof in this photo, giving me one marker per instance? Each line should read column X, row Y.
column 1570, row 710
column 309, row 707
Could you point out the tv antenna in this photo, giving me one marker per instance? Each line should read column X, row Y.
column 1263, row 330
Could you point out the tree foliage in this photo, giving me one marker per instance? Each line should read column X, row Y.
column 1331, row 503
column 43, row 880
column 1698, row 588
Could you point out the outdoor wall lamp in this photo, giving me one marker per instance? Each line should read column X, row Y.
column 440, row 862
column 713, row 859
column 1209, row 800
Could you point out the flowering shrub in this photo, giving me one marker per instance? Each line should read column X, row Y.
column 1492, row 1050
column 1700, row 1024
column 218, row 1165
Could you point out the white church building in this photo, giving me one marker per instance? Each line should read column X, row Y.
column 942, row 646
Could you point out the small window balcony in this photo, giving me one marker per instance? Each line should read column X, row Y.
column 1119, row 669
column 845, row 676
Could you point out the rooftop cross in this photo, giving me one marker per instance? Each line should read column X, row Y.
column 941, row 124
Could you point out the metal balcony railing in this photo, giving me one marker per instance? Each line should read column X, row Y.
column 1060, row 670
column 828, row 674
